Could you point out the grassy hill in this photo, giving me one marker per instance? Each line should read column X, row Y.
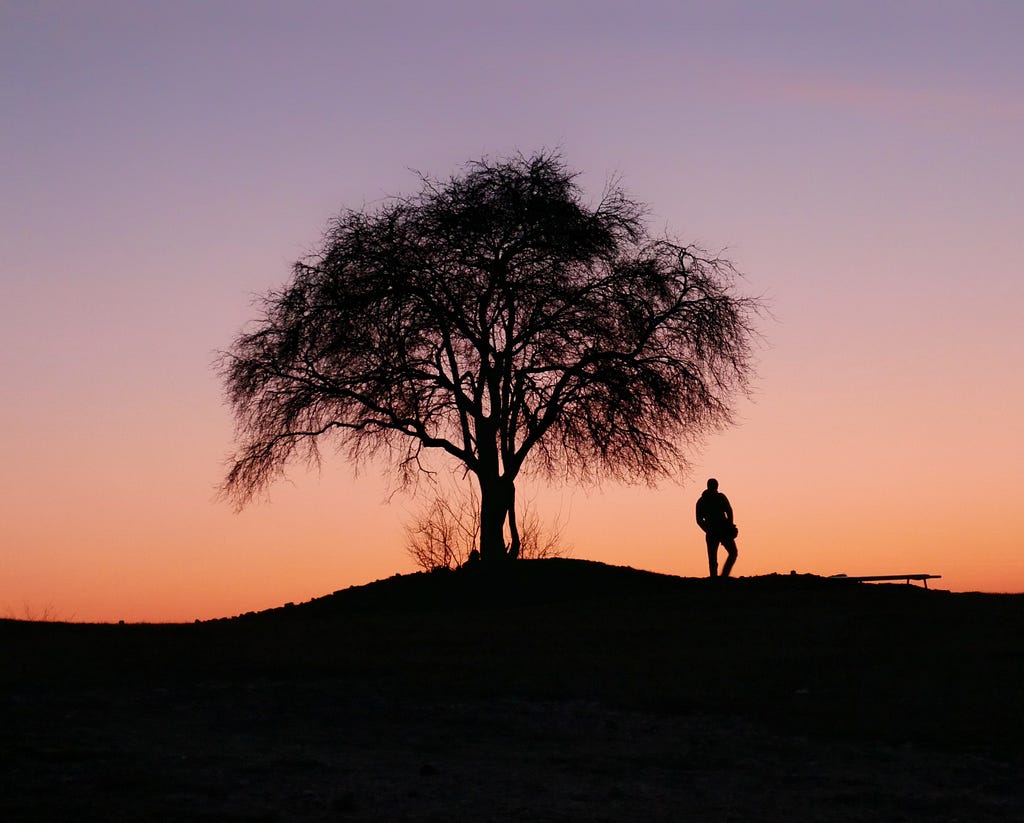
column 616, row 669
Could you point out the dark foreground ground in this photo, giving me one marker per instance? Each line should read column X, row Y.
column 562, row 691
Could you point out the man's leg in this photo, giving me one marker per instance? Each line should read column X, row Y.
column 712, row 555
column 730, row 546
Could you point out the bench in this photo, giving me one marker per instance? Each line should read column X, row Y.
column 873, row 578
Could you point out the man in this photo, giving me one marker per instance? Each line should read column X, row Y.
column 714, row 516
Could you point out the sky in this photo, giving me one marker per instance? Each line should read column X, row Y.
column 163, row 164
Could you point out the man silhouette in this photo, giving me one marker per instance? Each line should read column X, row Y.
column 714, row 516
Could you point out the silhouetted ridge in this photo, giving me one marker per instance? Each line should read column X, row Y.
column 536, row 582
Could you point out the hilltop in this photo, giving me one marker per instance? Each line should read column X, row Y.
column 541, row 582
column 561, row 689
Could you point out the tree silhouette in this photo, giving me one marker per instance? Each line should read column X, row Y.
column 499, row 319
column 445, row 532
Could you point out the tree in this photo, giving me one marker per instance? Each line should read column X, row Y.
column 498, row 319
column 445, row 532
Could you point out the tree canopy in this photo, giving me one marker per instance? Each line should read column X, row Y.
column 499, row 319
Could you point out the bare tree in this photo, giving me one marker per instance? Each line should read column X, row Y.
column 496, row 318
column 446, row 532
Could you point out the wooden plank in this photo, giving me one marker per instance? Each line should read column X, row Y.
column 871, row 578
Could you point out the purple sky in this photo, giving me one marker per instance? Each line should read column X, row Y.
column 164, row 162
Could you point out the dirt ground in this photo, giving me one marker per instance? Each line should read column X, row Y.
column 772, row 701
column 279, row 751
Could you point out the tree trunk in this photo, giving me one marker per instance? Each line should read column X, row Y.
column 513, row 525
column 496, row 501
column 493, row 497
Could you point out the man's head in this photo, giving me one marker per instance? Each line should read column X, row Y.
column 712, row 485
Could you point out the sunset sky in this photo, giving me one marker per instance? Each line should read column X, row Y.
column 164, row 163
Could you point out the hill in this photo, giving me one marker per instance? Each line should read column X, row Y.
column 561, row 689
column 535, row 582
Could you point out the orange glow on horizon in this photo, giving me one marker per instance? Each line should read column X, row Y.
column 321, row 535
